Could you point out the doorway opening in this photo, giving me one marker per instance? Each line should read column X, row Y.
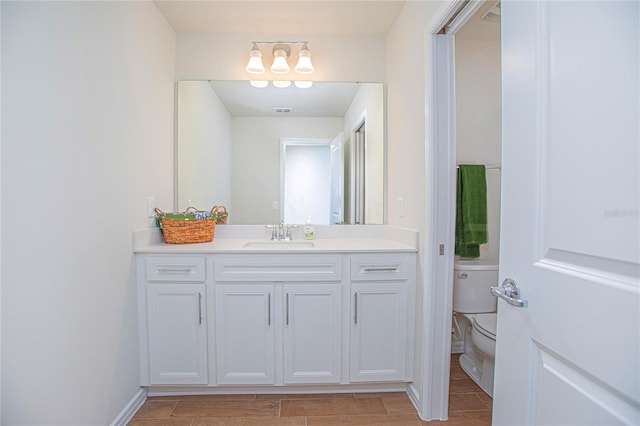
column 312, row 180
column 441, row 160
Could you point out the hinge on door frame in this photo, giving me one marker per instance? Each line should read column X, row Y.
column 441, row 249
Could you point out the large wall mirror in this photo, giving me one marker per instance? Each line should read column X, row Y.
column 282, row 154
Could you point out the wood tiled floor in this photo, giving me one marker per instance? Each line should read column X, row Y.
column 468, row 406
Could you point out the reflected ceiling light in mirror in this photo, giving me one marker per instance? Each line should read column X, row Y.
column 304, row 65
column 255, row 66
column 281, row 84
column 303, row 84
column 281, row 54
column 259, row 83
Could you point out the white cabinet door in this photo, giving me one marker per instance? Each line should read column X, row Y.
column 378, row 332
column 177, row 334
column 245, row 344
column 312, row 338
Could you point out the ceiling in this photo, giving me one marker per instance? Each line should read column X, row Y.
column 323, row 99
column 302, row 17
column 483, row 25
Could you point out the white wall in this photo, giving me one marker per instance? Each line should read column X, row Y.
column 478, row 123
column 255, row 180
column 87, row 136
column 204, row 152
column 406, row 118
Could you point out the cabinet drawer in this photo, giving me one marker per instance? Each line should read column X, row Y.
column 176, row 268
column 379, row 267
column 278, row 268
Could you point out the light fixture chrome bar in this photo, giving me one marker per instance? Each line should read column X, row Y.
column 280, row 42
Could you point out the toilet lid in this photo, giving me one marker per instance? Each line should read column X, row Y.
column 486, row 324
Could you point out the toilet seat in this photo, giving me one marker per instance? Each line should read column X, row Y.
column 486, row 324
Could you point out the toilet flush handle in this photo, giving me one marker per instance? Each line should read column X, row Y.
column 509, row 292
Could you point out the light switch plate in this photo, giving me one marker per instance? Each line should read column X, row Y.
column 151, row 205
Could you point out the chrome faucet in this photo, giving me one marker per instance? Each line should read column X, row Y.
column 281, row 232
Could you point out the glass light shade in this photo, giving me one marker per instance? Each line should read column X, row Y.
column 280, row 65
column 281, row 84
column 304, row 65
column 259, row 83
column 255, row 66
column 303, row 84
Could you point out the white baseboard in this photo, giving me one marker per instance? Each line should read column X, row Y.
column 130, row 409
column 414, row 396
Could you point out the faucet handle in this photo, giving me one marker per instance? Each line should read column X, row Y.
column 288, row 236
column 274, row 231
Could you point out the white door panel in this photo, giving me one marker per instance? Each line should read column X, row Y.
column 570, row 223
column 177, row 334
column 312, row 333
column 245, row 335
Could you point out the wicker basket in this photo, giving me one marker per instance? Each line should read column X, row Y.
column 222, row 213
column 186, row 228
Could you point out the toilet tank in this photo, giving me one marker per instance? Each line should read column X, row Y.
column 472, row 281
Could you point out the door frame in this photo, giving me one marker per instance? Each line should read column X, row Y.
column 440, row 160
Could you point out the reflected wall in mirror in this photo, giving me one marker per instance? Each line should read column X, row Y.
column 230, row 148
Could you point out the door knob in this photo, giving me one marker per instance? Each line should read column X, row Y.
column 509, row 292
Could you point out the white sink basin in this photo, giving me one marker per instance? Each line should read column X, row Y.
column 279, row 245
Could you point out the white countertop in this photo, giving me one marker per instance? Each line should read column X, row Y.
column 234, row 239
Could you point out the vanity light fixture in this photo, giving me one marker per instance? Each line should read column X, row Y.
column 281, row 52
column 304, row 65
column 255, row 61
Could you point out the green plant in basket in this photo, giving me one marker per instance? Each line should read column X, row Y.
column 191, row 213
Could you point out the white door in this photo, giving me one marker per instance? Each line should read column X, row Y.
column 245, row 336
column 570, row 223
column 312, row 338
column 378, row 332
column 177, row 334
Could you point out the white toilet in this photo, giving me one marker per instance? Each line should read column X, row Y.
column 474, row 320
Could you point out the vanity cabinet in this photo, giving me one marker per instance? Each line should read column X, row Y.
column 278, row 319
column 275, row 319
column 174, row 312
column 379, row 318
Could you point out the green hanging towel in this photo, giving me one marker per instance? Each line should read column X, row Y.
column 471, row 210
